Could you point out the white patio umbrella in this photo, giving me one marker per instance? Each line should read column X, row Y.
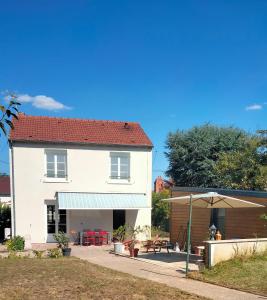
column 208, row 200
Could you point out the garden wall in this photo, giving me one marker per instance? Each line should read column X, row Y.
column 217, row 251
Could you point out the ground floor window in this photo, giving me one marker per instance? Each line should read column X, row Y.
column 52, row 226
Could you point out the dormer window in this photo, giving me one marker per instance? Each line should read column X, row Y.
column 56, row 163
column 120, row 165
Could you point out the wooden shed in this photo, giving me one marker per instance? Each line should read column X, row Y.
column 234, row 223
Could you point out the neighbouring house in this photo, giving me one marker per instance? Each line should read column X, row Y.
column 233, row 223
column 161, row 184
column 74, row 175
column 5, row 189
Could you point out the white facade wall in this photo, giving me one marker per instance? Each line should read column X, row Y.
column 79, row 220
column 88, row 171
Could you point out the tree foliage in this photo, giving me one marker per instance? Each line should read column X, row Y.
column 7, row 112
column 5, row 218
column 193, row 153
column 242, row 169
column 160, row 210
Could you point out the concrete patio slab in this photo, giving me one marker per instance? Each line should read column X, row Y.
column 159, row 273
column 172, row 260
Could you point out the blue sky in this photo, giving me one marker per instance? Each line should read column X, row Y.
column 166, row 64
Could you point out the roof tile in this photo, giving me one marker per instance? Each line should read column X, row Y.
column 79, row 131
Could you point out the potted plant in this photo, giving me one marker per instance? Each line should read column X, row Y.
column 63, row 243
column 132, row 233
column 132, row 250
column 118, row 238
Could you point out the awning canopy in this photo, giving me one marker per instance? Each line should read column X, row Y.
column 75, row 200
column 213, row 200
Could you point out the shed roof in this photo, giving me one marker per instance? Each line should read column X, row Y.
column 228, row 192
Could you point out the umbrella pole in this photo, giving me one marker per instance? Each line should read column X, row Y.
column 189, row 235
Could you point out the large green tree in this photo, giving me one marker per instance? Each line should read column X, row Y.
column 193, row 153
column 243, row 168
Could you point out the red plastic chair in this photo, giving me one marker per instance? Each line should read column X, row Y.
column 103, row 237
column 89, row 238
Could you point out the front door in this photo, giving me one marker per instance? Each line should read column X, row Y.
column 52, row 225
column 118, row 218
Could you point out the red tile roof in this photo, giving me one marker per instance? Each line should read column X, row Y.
column 4, row 185
column 77, row 131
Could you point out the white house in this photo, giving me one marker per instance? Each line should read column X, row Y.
column 72, row 174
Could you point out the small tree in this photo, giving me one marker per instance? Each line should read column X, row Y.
column 7, row 112
column 62, row 240
column 160, row 210
column 119, row 233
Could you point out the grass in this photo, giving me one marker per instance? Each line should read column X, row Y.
column 244, row 273
column 72, row 278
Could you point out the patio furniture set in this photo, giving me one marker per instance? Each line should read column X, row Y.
column 157, row 245
column 95, row 238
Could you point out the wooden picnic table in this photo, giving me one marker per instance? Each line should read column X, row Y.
column 157, row 245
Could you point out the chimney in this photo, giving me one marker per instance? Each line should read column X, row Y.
column 126, row 125
column 158, row 184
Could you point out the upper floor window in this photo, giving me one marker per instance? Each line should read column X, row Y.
column 120, row 165
column 56, row 163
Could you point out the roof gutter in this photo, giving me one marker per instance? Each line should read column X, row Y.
column 80, row 143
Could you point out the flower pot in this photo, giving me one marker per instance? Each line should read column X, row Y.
column 118, row 248
column 133, row 252
column 66, row 251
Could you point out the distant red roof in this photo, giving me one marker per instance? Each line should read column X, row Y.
column 79, row 131
column 4, row 185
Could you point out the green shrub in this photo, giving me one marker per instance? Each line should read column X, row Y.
column 160, row 210
column 54, row 253
column 16, row 243
column 38, row 253
column 5, row 219
column 119, row 233
column 62, row 240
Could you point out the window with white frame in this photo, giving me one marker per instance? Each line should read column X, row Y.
column 56, row 163
column 120, row 165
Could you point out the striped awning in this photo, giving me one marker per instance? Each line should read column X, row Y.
column 74, row 200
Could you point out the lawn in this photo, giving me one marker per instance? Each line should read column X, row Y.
column 71, row 278
column 243, row 273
